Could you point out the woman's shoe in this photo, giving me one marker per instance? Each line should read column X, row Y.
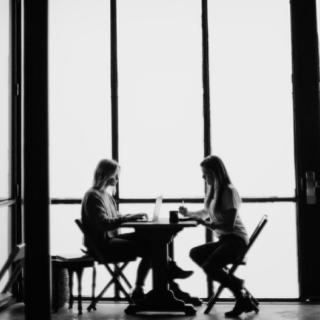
column 243, row 304
column 176, row 272
column 138, row 295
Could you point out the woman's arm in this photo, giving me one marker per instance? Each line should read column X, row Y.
column 226, row 225
column 100, row 216
column 200, row 213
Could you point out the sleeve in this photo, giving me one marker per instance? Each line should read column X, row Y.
column 230, row 199
column 99, row 215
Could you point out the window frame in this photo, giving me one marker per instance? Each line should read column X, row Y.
column 206, row 122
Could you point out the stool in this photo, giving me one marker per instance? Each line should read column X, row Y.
column 77, row 265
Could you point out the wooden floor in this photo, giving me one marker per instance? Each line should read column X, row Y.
column 268, row 311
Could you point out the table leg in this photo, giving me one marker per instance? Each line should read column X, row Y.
column 174, row 287
column 160, row 298
column 70, row 272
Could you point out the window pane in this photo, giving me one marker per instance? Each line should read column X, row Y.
column 4, row 99
column 80, row 127
column 160, row 98
column 273, row 257
column 4, row 242
column 251, row 94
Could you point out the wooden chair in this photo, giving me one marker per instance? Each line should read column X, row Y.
column 16, row 256
column 74, row 264
column 234, row 267
column 116, row 274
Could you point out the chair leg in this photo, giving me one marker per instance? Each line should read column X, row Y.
column 123, row 276
column 120, row 285
column 254, row 301
column 70, row 272
column 94, row 273
column 79, row 272
column 94, row 300
column 213, row 299
column 114, row 275
column 12, row 279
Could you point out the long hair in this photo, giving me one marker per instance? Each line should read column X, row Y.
column 105, row 170
column 215, row 165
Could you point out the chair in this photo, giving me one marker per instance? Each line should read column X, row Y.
column 240, row 261
column 17, row 255
column 73, row 264
column 115, row 274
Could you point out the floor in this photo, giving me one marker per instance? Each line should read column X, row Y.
column 115, row 311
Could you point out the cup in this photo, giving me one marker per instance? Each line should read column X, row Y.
column 174, row 217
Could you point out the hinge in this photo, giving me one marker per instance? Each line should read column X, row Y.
column 17, row 89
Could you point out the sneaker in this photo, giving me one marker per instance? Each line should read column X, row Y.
column 138, row 295
column 243, row 304
column 176, row 272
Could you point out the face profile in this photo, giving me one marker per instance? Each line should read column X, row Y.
column 208, row 176
column 112, row 181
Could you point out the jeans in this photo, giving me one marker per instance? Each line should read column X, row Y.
column 127, row 246
column 214, row 256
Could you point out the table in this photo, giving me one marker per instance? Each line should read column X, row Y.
column 160, row 298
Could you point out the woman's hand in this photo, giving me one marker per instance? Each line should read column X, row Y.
column 184, row 211
column 205, row 223
column 136, row 216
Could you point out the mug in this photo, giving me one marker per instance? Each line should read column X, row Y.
column 174, row 217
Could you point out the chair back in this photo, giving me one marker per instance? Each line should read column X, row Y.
column 91, row 244
column 254, row 236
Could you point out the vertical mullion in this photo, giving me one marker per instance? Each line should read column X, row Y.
column 114, row 98
column 114, row 83
column 206, row 106
column 114, row 80
column 205, row 79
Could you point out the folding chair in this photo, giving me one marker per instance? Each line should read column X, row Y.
column 240, row 261
column 17, row 255
column 101, row 259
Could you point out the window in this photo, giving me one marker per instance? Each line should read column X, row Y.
column 159, row 129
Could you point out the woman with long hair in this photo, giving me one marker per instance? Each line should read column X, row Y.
column 100, row 216
column 221, row 214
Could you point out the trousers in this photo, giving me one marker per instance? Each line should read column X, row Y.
column 213, row 257
column 127, row 246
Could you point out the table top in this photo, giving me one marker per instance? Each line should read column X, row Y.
column 161, row 223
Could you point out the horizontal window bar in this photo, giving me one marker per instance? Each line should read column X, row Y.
column 175, row 200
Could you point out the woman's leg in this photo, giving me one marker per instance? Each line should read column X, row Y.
column 140, row 248
column 201, row 253
column 225, row 253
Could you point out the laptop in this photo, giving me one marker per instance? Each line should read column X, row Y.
column 156, row 211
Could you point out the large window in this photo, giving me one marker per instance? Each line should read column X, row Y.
column 158, row 130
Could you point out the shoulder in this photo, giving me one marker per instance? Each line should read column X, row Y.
column 230, row 194
column 92, row 195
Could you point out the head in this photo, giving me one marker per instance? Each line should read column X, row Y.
column 214, row 172
column 106, row 174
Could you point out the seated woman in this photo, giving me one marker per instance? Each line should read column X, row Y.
column 221, row 214
column 100, row 216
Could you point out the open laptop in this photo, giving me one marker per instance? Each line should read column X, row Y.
column 156, row 211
